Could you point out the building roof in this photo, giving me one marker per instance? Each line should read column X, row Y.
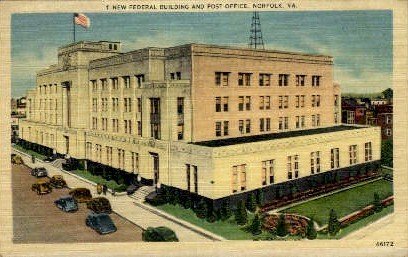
column 272, row 136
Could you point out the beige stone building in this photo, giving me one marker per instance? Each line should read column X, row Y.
column 211, row 120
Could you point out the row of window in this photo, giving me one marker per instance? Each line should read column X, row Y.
column 239, row 172
column 48, row 89
column 244, row 126
column 265, row 79
column 114, row 82
column 244, row 102
column 127, row 104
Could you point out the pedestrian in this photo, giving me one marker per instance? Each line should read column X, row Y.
column 104, row 189
column 99, row 188
column 113, row 192
column 33, row 158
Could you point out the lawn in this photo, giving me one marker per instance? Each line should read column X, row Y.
column 344, row 202
column 98, row 179
column 30, row 152
column 359, row 224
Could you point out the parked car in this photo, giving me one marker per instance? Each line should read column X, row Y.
column 159, row 234
column 67, row 204
column 99, row 205
column 101, row 223
column 50, row 159
column 58, row 181
column 132, row 188
column 16, row 159
column 41, row 187
column 39, row 172
column 82, row 195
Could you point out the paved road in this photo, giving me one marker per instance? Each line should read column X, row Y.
column 125, row 206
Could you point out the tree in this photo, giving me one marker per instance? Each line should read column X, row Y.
column 388, row 93
column 281, row 229
column 241, row 216
column 260, row 197
column 310, row 230
column 377, row 203
column 334, row 224
column 386, row 153
column 201, row 210
column 225, row 211
column 210, row 217
column 256, row 225
column 251, row 203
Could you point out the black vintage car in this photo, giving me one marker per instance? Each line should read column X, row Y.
column 101, row 223
column 39, row 172
column 99, row 205
column 67, row 204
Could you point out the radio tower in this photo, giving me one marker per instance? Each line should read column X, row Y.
column 255, row 38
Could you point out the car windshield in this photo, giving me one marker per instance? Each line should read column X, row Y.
column 70, row 203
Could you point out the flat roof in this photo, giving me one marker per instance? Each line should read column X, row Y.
column 272, row 136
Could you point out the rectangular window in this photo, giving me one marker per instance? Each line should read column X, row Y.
column 334, row 158
column 316, row 81
column 188, row 176
column 140, row 78
column 139, row 128
column 221, row 78
column 104, row 84
column 248, row 103
column 297, row 124
column 353, row 154
column 240, row 103
column 225, row 103
column 264, row 80
column 313, row 100
column 172, row 76
column 289, row 167
column 243, row 177
column 286, row 125
column 178, row 75
column 234, row 179
column 115, row 84
column 302, row 101
column 286, row 102
column 244, row 79
column 261, row 124
column 218, row 128
column 268, row 124
column 317, row 120
column 139, row 104
column 314, row 162
column 248, row 126
column 317, row 100
column 267, row 102
column 195, row 176
column 126, row 81
column 368, row 154
column 180, row 105
column 226, row 125
column 280, row 102
column 241, row 126
column 268, row 172
column 300, row 80
column 218, row 104
column 94, row 86
column 296, row 165
column 280, row 123
column 135, row 162
column 297, row 101
column 283, row 79
column 261, row 103
column 313, row 121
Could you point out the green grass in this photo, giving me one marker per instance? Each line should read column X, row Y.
column 343, row 203
column 359, row 224
column 30, row 152
column 98, row 179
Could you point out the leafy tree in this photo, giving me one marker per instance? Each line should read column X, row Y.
column 241, row 216
column 310, row 230
column 281, row 229
column 334, row 224
column 201, row 210
column 386, row 153
column 260, row 197
column 256, row 225
column 377, row 203
column 226, row 211
column 251, row 203
column 388, row 93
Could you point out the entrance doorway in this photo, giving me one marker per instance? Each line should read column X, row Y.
column 155, row 159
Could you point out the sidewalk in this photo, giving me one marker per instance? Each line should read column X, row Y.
column 140, row 214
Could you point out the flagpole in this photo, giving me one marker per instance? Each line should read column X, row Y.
column 73, row 24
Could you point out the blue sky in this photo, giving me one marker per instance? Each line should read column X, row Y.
column 359, row 41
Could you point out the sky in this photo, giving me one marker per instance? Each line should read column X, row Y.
column 359, row 41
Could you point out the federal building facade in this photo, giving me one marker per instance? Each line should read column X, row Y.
column 217, row 122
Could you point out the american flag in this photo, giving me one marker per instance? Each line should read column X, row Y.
column 82, row 20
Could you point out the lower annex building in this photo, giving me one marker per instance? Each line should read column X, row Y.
column 217, row 122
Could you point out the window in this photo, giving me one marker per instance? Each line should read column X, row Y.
column 243, row 177
column 283, row 79
column 105, row 124
column 115, row 104
column 221, row 78
column 350, row 117
column 353, row 154
column 218, row 104
column 248, row 126
column 234, row 179
column 268, row 124
column 336, row 100
column 368, row 153
column 261, row 102
column 388, row 132
column 139, row 104
column 334, row 159
column 94, row 86
column 104, row 84
column 139, row 128
column 268, row 172
column 300, row 80
column 218, row 128
column 248, row 103
column 264, row 80
column 297, row 124
column 225, row 103
column 313, row 120
column 286, row 102
column 302, row 101
column 313, row 100
column 172, row 76
column 115, row 84
column 178, row 75
column 296, row 165
column 317, row 100
column 241, row 126
column 140, row 78
column 280, row 102
column 126, row 81
column 317, row 120
column 108, row 155
column 388, row 119
column 188, row 175
column 286, row 124
column 94, row 104
column 267, row 102
column 289, row 167
column 297, row 101
column 261, row 124
column 115, row 125
column 314, row 162
column 240, row 103
column 336, row 117
column 244, row 79
column 94, row 123
column 128, row 126
column 127, row 102
column 316, row 81
column 280, row 123
column 226, row 125
column 135, row 162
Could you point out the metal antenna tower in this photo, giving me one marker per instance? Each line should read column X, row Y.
column 256, row 40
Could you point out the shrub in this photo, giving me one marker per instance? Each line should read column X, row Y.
column 159, row 234
column 121, row 188
column 251, row 203
column 156, row 199
column 334, row 224
column 281, row 229
column 377, row 203
column 256, row 225
column 187, row 203
column 310, row 230
column 241, row 216
column 225, row 211
column 201, row 210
